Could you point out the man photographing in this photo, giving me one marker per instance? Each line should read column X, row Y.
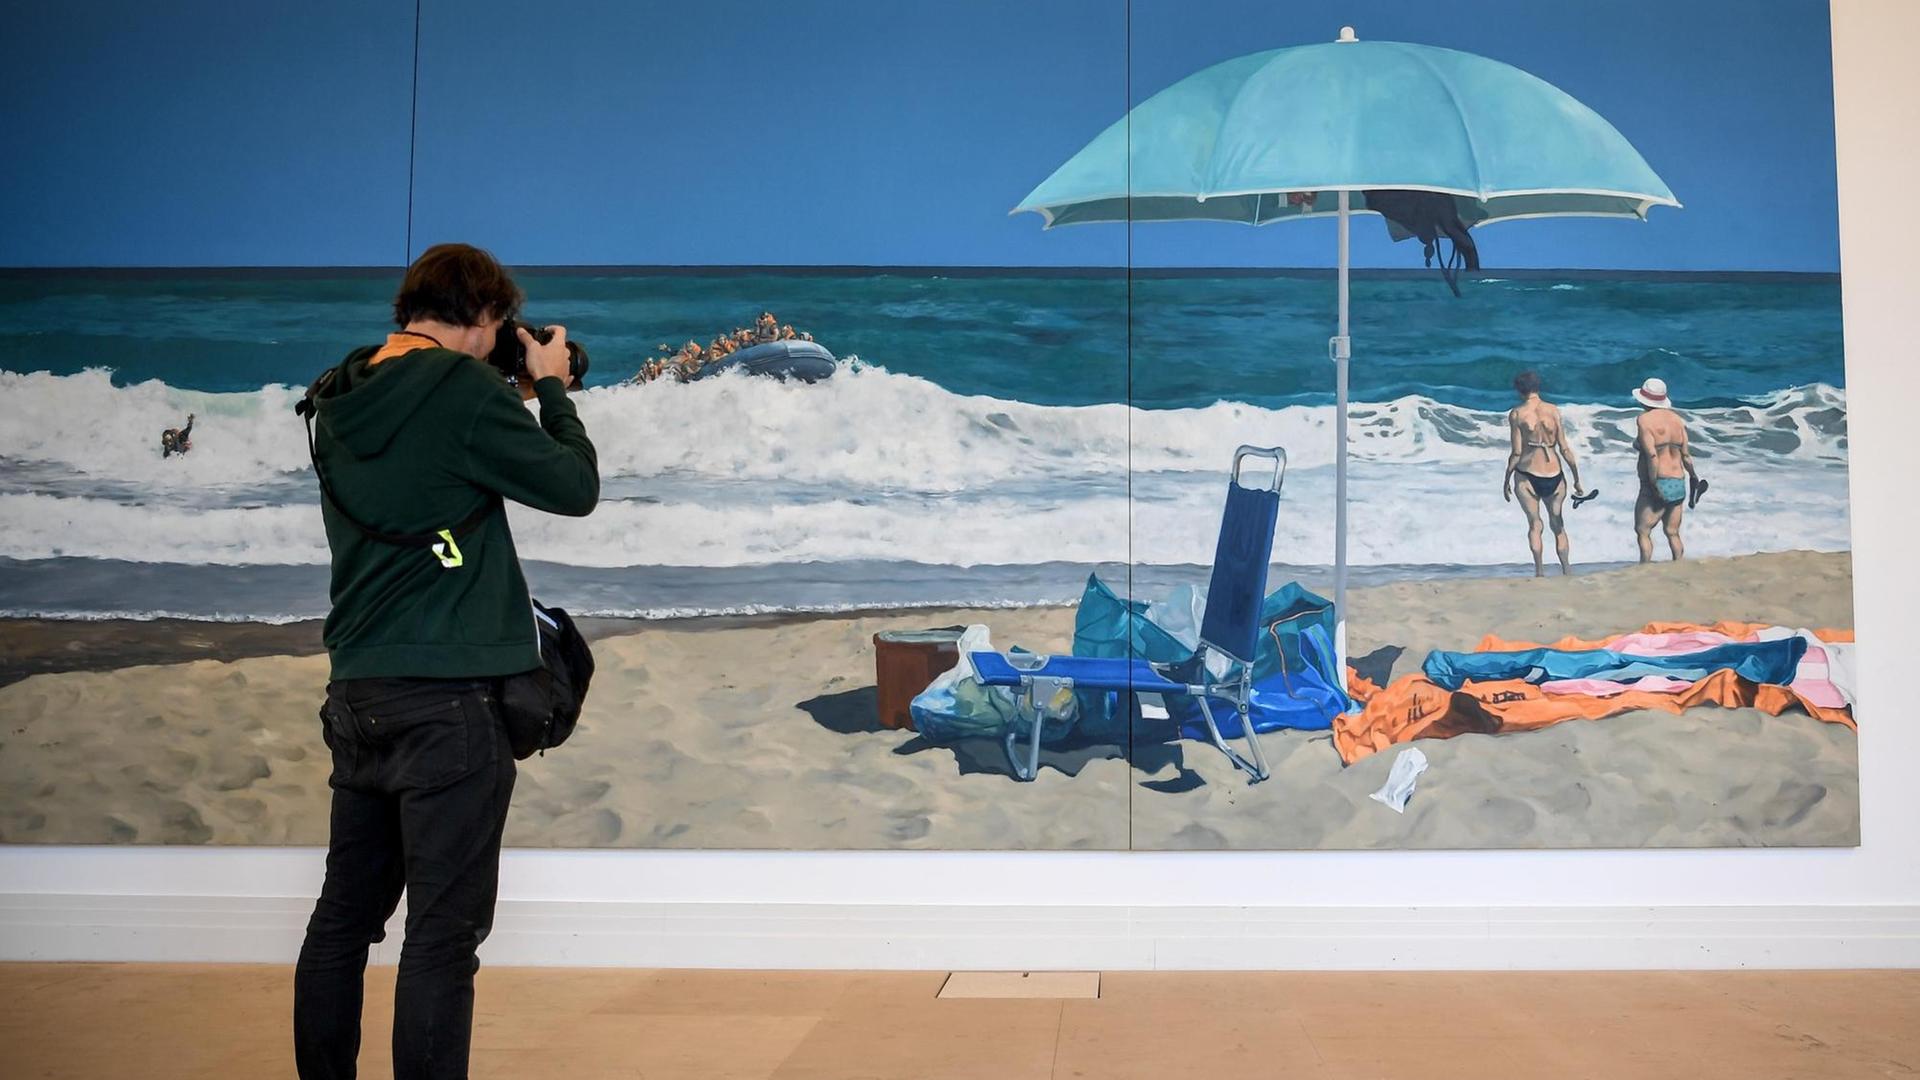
column 421, row 437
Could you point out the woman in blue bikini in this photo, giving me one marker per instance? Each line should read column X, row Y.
column 1535, row 472
column 1668, row 483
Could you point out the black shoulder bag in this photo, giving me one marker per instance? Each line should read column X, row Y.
column 540, row 707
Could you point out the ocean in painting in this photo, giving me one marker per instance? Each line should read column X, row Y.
column 989, row 437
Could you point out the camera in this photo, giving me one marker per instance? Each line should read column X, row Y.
column 509, row 356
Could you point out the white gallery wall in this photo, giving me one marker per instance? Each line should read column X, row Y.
column 1858, row 907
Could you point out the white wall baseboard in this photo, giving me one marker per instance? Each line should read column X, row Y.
column 47, row 926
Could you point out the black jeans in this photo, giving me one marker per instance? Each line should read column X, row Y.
column 422, row 776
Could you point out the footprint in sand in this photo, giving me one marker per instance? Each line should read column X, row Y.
column 231, row 772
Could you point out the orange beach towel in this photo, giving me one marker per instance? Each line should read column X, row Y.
column 1414, row 707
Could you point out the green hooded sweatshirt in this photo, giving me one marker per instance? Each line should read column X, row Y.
column 414, row 444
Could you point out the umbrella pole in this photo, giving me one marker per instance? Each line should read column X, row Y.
column 1341, row 348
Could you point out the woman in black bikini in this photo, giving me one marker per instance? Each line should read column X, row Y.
column 1539, row 449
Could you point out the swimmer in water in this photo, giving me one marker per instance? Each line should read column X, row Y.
column 177, row 440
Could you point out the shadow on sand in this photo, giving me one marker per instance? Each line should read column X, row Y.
column 857, row 712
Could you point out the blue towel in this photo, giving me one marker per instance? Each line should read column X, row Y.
column 1771, row 662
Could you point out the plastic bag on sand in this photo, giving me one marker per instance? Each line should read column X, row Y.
column 1294, row 682
column 956, row 706
column 1180, row 615
column 1106, row 624
column 1399, row 786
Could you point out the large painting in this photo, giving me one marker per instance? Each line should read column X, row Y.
column 929, row 525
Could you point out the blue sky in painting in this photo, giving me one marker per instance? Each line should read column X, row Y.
column 853, row 132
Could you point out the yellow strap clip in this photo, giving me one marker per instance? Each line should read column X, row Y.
column 449, row 552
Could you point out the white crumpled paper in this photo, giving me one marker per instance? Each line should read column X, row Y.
column 1399, row 786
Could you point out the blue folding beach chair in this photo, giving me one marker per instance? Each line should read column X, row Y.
column 1231, row 625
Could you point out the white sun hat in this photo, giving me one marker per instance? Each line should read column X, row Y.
column 1653, row 394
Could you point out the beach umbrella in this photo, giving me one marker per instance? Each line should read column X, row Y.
column 1307, row 131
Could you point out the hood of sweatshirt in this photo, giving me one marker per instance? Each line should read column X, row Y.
column 365, row 405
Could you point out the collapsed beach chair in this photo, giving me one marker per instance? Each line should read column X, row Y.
column 1230, row 626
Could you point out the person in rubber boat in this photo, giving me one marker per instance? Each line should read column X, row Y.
column 767, row 328
column 1668, row 482
column 1538, row 468
column 687, row 361
column 177, row 440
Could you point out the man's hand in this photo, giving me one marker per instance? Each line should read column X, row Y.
column 549, row 359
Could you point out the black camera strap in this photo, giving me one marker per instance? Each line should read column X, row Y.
column 432, row 541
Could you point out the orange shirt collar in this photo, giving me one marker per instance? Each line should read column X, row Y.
column 400, row 344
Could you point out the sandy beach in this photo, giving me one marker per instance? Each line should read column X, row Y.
column 761, row 733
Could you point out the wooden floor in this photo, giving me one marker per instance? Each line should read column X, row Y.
column 160, row 1022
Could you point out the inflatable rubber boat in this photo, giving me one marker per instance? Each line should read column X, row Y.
column 803, row 360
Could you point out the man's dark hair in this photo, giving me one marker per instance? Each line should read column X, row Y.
column 457, row 284
column 1526, row 383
